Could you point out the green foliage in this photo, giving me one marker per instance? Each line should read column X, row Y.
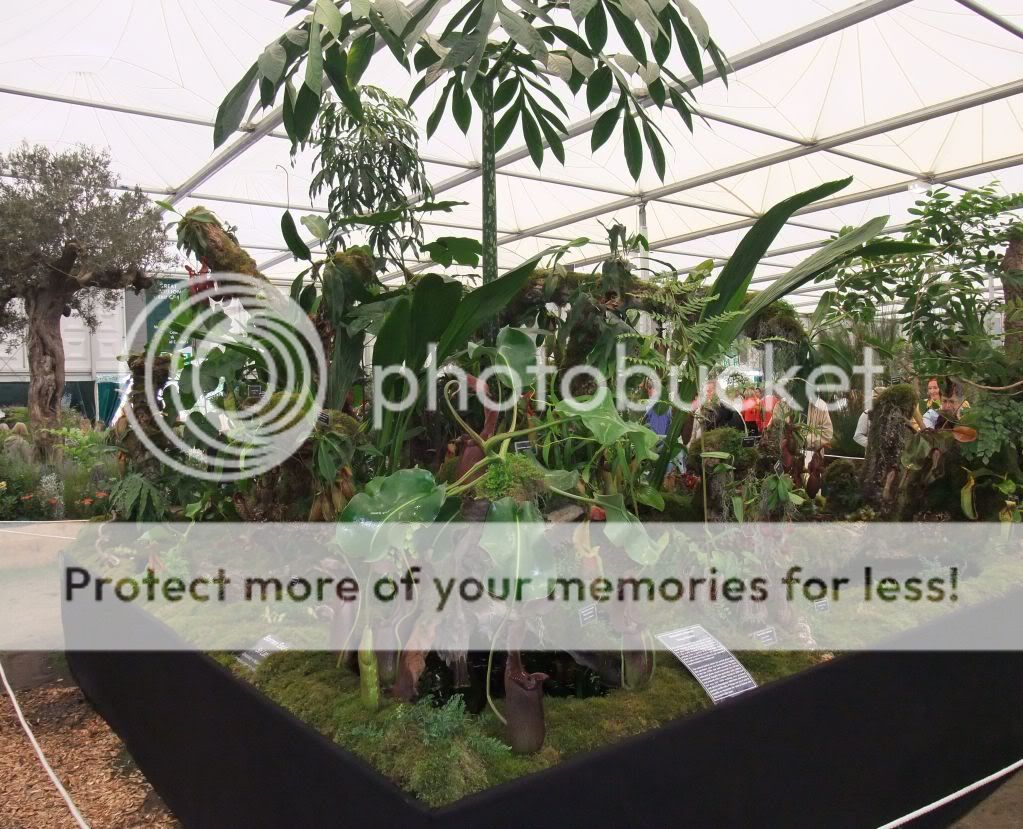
column 368, row 161
column 999, row 425
column 136, row 498
column 939, row 294
column 84, row 448
column 516, row 72
column 603, row 421
column 780, row 497
column 841, row 486
column 732, row 284
column 408, row 495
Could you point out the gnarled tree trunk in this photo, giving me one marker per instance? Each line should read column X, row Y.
column 44, row 309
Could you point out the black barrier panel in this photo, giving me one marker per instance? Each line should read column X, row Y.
column 855, row 742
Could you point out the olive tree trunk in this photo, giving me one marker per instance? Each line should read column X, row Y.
column 44, row 309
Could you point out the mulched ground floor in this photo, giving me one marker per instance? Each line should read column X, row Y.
column 89, row 759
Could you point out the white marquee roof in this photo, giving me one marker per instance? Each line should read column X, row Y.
column 887, row 91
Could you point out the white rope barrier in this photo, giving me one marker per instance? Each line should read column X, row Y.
column 39, row 753
column 954, row 796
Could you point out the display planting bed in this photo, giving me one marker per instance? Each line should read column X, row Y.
column 855, row 742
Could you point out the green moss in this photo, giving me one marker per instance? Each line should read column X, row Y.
column 441, row 754
column 779, row 319
column 842, row 487
column 902, row 397
column 744, row 458
column 516, row 476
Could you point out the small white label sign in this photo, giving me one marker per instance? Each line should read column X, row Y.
column 711, row 663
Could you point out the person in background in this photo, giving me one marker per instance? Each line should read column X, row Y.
column 710, row 412
column 751, row 411
column 660, row 424
column 862, row 434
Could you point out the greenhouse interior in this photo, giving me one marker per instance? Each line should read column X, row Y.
column 413, row 412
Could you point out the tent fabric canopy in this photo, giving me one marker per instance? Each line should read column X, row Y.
column 895, row 93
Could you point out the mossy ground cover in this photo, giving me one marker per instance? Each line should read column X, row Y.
column 442, row 753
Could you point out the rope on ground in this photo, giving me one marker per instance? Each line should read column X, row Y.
column 39, row 753
column 954, row 796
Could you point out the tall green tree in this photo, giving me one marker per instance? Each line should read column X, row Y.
column 502, row 61
column 70, row 242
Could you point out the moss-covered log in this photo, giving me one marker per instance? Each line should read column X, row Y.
column 890, row 429
column 204, row 236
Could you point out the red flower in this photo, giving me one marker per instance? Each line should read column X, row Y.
column 101, row 494
column 28, row 497
column 597, row 514
column 86, row 502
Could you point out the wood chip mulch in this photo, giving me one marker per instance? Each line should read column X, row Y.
column 86, row 755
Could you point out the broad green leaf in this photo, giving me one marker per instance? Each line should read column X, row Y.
column 514, row 538
column 809, row 269
column 234, row 106
column 336, row 66
column 633, row 146
column 461, row 108
column 515, row 351
column 307, row 105
column 461, row 249
column 625, row 529
column 298, row 248
column 656, row 151
column 359, row 56
column 598, row 87
column 505, row 92
column 553, row 139
column 407, row 496
column 696, row 21
column 533, row 138
column 317, row 226
column 560, row 65
column 596, row 28
column 581, row 8
column 649, row 496
column 483, row 304
column 734, row 279
column 314, row 61
column 876, row 250
column 630, row 35
column 434, row 303
column 689, row 47
column 328, row 16
column 392, row 344
column 523, row 34
column 604, row 128
column 272, row 62
column 603, row 421
column 644, row 15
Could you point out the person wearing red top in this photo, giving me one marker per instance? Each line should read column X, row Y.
column 767, row 409
column 751, row 411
